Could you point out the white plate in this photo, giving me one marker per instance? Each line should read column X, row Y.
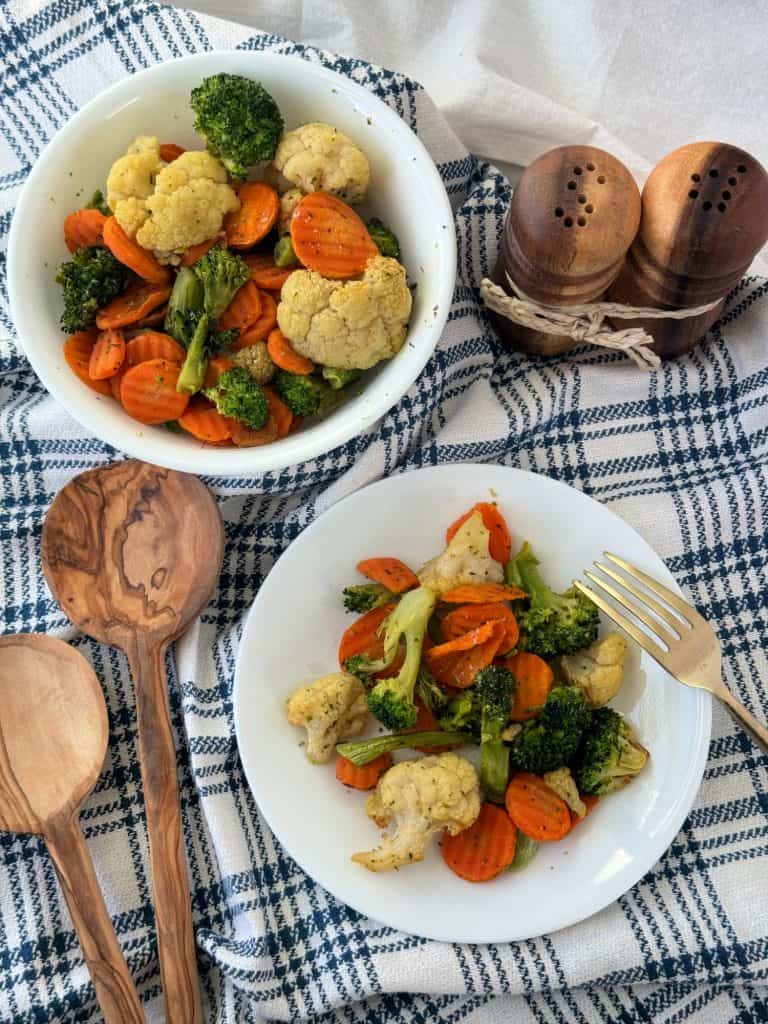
column 292, row 636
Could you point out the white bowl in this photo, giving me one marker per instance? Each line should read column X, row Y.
column 406, row 193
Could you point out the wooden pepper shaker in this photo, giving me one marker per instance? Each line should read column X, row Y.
column 704, row 218
column 572, row 218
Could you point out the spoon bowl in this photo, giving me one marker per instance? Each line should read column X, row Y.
column 53, row 738
column 132, row 553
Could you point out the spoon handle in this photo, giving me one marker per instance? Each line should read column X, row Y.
column 115, row 990
column 170, row 883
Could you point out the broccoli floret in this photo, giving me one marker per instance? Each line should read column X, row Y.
column 552, row 623
column 364, row 596
column 391, row 699
column 551, row 740
column 222, row 273
column 98, row 202
column 238, row 119
column 185, row 306
column 429, row 692
column 283, row 253
column 338, row 378
column 610, row 756
column 304, row 395
column 495, row 687
column 91, row 279
column 237, row 394
column 383, row 238
column 462, row 714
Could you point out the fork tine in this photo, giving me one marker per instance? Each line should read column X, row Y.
column 637, row 634
column 639, row 612
column 668, row 617
column 688, row 612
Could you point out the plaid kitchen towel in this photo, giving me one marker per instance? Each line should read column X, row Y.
column 682, row 454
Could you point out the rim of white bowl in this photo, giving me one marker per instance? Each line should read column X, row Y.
column 341, row 426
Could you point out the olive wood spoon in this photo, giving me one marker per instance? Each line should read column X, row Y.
column 53, row 738
column 132, row 553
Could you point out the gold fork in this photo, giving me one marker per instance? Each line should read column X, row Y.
column 679, row 638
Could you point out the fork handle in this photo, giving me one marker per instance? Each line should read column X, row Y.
column 756, row 730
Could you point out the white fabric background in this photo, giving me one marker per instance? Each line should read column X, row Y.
column 516, row 77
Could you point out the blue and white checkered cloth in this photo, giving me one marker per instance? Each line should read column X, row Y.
column 682, row 454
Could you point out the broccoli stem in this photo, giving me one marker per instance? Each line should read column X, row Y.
column 494, row 767
column 523, row 572
column 363, row 751
column 193, row 371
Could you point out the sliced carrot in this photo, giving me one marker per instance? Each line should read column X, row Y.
column 169, row 152
column 130, row 253
column 116, row 383
column 282, row 414
column 500, row 545
column 202, row 420
column 266, row 323
column 534, row 679
column 390, row 573
column 258, row 213
column 457, row 663
column 536, row 809
column 362, row 637
column 244, row 437
column 329, row 237
column 283, row 355
column 83, row 227
column 362, row 776
column 482, row 593
column 133, row 305
column 153, row 345
column 194, row 252
column 469, row 616
column 265, row 272
column 77, row 353
column 108, row 354
column 244, row 310
column 216, row 366
column 590, row 802
column 149, row 394
column 154, row 318
column 485, row 849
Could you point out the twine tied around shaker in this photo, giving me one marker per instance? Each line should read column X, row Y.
column 584, row 323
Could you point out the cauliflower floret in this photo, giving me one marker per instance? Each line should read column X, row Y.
column 288, row 202
column 130, row 214
column 467, row 559
column 433, row 794
column 256, row 361
column 190, row 201
column 599, row 669
column 330, row 708
column 134, row 174
column 565, row 786
column 348, row 324
column 319, row 156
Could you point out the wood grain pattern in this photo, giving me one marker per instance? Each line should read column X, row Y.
column 704, row 218
column 53, row 738
column 132, row 553
column 572, row 218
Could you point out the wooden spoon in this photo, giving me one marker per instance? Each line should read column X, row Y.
column 53, row 738
column 132, row 553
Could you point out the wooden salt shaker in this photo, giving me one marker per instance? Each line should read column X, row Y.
column 572, row 218
column 704, row 218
